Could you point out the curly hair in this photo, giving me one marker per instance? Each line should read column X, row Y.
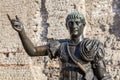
column 76, row 16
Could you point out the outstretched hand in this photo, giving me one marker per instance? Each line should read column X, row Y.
column 16, row 23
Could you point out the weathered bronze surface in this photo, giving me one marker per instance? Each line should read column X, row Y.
column 82, row 58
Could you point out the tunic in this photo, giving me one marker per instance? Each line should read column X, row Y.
column 90, row 54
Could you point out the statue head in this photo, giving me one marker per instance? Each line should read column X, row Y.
column 75, row 23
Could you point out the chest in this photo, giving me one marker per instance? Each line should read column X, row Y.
column 66, row 50
column 69, row 68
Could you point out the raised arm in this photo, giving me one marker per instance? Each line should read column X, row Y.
column 30, row 48
column 27, row 44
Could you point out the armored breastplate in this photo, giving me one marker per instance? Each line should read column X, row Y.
column 70, row 70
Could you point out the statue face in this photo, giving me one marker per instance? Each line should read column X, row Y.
column 75, row 23
column 75, row 27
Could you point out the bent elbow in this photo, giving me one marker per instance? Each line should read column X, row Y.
column 31, row 53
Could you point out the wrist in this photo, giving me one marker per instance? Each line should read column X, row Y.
column 21, row 32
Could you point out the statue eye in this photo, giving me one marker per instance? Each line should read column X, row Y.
column 77, row 22
column 70, row 23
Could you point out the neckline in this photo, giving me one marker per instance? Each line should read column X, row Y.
column 74, row 44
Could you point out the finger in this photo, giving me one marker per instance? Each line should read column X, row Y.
column 9, row 17
column 17, row 18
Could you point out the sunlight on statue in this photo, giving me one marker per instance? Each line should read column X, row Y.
column 81, row 58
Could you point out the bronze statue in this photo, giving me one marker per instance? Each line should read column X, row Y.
column 82, row 58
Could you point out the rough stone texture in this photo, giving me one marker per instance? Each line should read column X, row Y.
column 103, row 23
column 46, row 19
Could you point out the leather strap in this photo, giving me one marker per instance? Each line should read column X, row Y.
column 75, row 60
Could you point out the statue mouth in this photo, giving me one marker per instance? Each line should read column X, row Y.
column 75, row 32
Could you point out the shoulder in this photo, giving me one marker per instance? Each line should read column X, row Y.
column 92, row 48
column 58, row 42
column 54, row 46
column 88, row 41
column 91, row 44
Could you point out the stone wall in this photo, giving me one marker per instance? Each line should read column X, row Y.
column 103, row 22
column 46, row 19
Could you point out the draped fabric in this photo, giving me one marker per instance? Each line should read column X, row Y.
column 88, row 51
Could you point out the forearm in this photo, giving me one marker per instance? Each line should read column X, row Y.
column 29, row 47
column 27, row 44
column 100, row 71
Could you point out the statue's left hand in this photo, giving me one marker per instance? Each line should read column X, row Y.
column 16, row 23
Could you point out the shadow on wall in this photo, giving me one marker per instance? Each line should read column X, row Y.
column 115, row 27
column 44, row 24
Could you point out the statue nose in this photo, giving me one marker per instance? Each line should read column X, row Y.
column 75, row 26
